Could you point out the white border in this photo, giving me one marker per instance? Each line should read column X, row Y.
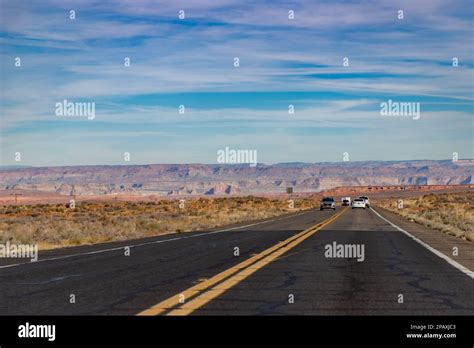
column 453, row 263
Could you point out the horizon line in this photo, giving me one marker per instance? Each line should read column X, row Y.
column 2, row 167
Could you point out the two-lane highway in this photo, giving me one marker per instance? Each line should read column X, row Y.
column 283, row 268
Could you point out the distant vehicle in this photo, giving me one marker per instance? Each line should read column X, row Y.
column 327, row 203
column 366, row 200
column 358, row 203
column 346, row 201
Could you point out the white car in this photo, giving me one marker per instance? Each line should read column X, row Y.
column 366, row 200
column 358, row 203
column 346, row 200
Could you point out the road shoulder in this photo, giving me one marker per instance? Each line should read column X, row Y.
column 438, row 240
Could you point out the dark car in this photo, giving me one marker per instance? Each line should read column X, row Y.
column 327, row 203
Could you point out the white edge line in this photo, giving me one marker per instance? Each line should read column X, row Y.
column 149, row 243
column 453, row 263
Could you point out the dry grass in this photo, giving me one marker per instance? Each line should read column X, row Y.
column 451, row 213
column 57, row 225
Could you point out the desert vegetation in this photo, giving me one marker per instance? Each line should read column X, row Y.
column 451, row 213
column 58, row 225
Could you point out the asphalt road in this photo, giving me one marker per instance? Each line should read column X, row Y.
column 293, row 277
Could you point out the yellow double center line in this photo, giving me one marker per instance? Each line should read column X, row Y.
column 197, row 296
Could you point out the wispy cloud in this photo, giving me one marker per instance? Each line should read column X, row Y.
column 190, row 62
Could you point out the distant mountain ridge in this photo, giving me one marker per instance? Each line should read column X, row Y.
column 211, row 179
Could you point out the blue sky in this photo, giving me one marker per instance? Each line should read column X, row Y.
column 190, row 62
